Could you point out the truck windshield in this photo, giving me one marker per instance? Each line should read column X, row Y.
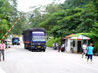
column 38, row 36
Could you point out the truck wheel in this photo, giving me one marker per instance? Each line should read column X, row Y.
column 33, row 50
column 43, row 50
column 26, row 46
column 18, row 44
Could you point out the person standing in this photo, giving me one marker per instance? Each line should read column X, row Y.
column 53, row 46
column 62, row 48
column 59, row 47
column 84, row 49
column 90, row 52
column 2, row 48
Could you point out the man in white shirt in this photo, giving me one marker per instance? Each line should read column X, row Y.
column 84, row 49
column 53, row 46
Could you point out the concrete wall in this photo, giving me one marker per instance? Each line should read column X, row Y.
column 69, row 45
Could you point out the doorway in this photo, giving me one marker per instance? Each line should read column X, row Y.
column 79, row 47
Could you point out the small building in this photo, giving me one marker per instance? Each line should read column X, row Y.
column 73, row 42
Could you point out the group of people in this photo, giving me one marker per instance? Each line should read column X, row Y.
column 87, row 51
column 59, row 47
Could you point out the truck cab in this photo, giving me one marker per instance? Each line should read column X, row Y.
column 15, row 41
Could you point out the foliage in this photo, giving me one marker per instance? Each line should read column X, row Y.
column 75, row 16
column 49, row 42
column 21, row 25
column 73, row 20
column 59, row 20
column 52, row 40
column 95, row 26
column 39, row 15
column 8, row 16
column 74, row 3
column 35, row 18
column 51, row 8
column 95, row 36
column 5, row 10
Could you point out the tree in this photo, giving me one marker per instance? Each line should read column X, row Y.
column 5, row 10
column 73, row 20
column 87, row 18
column 74, row 3
column 95, row 36
column 95, row 26
column 51, row 8
column 63, row 21
column 21, row 25
column 39, row 15
column 35, row 17
column 74, row 16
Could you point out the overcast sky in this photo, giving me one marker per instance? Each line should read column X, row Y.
column 25, row 5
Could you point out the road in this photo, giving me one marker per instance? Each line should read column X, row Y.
column 19, row 60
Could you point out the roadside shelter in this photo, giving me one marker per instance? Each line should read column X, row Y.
column 73, row 42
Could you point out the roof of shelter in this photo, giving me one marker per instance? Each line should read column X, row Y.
column 78, row 36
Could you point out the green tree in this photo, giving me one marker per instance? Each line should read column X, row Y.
column 95, row 26
column 35, row 17
column 21, row 25
column 74, row 3
column 95, row 36
column 51, row 8
column 5, row 9
column 39, row 15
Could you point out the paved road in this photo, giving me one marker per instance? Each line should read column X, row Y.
column 19, row 60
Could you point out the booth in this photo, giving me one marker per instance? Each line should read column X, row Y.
column 74, row 42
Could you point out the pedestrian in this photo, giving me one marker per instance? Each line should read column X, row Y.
column 90, row 52
column 84, row 50
column 59, row 47
column 62, row 48
column 53, row 46
column 56, row 45
column 2, row 48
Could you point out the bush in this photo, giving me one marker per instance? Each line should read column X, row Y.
column 51, row 41
column 96, row 47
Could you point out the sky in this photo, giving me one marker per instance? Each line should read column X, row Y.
column 26, row 5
